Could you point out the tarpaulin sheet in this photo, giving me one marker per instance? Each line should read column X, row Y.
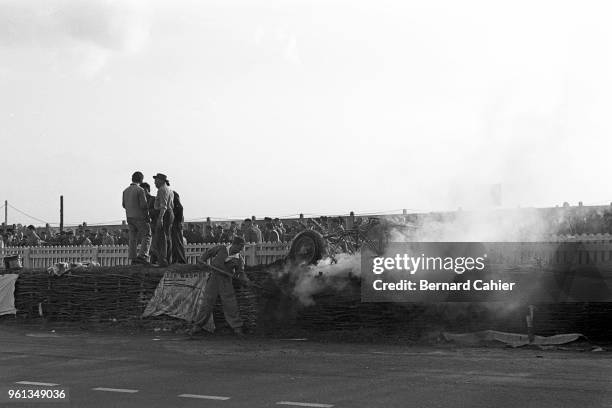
column 511, row 339
column 180, row 295
column 7, row 293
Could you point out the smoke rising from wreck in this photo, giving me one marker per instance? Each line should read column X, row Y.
column 326, row 275
column 516, row 225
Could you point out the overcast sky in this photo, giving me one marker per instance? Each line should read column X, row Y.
column 321, row 107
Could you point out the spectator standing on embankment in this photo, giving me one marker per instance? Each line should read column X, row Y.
column 164, row 203
column 136, row 212
column 178, row 243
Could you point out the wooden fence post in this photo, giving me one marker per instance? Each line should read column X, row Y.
column 351, row 221
column 94, row 254
column 250, row 253
column 27, row 262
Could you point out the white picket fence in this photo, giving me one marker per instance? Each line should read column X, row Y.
column 599, row 246
column 42, row 257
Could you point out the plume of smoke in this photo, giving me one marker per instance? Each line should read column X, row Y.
column 493, row 226
column 518, row 225
column 308, row 281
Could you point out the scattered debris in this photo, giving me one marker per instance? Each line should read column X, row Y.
column 42, row 335
column 61, row 268
column 511, row 339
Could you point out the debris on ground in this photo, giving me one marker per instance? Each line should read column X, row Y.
column 554, row 342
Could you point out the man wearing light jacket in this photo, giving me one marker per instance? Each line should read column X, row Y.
column 164, row 203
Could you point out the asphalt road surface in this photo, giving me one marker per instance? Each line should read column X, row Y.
column 116, row 370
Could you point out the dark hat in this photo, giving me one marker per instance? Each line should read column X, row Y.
column 238, row 241
column 161, row 176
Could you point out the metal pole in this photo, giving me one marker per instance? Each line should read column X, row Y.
column 6, row 213
column 61, row 214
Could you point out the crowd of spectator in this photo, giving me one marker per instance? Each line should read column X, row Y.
column 563, row 220
column 18, row 235
column 270, row 230
column 252, row 230
column 580, row 220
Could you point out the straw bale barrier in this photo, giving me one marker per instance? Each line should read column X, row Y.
column 121, row 293
column 100, row 294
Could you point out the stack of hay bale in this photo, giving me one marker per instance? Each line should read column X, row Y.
column 100, row 294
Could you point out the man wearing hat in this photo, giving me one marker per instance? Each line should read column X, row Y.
column 164, row 203
column 230, row 260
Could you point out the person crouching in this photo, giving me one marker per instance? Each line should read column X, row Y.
column 226, row 259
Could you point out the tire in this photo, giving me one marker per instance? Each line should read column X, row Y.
column 307, row 248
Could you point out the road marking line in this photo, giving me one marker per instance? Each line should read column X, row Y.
column 36, row 383
column 210, row 397
column 114, row 390
column 304, row 404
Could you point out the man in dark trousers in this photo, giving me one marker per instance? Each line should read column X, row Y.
column 230, row 260
column 152, row 216
column 135, row 204
column 178, row 245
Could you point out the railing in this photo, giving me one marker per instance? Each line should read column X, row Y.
column 42, row 257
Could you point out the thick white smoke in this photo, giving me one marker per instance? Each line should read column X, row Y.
column 311, row 280
column 518, row 225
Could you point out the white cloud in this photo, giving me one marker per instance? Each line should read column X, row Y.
column 278, row 40
column 81, row 34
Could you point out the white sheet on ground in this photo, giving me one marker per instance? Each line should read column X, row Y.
column 512, row 339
